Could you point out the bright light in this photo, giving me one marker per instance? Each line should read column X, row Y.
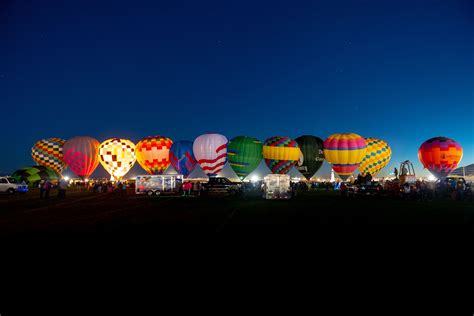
column 254, row 179
column 66, row 178
column 431, row 178
column 86, row 180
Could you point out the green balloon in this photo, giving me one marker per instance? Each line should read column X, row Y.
column 244, row 154
column 32, row 175
column 313, row 155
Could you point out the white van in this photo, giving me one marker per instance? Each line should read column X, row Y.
column 11, row 186
column 277, row 186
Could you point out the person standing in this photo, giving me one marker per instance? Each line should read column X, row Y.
column 62, row 186
column 47, row 189
column 124, row 188
column 41, row 188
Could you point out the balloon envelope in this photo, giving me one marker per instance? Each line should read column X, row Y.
column 32, row 175
column 117, row 156
column 81, row 155
column 244, row 154
column 153, row 153
column 210, row 151
column 377, row 156
column 312, row 155
column 440, row 155
column 344, row 152
column 281, row 153
column 49, row 153
column 182, row 157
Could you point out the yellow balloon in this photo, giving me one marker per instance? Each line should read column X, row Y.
column 117, row 156
column 377, row 156
column 344, row 152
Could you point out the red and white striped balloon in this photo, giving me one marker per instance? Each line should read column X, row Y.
column 210, row 151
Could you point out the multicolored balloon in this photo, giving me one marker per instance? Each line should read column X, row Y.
column 210, row 151
column 117, row 156
column 377, row 156
column 81, row 155
column 312, row 155
column 49, row 153
column 281, row 153
column 32, row 175
column 182, row 157
column 244, row 154
column 344, row 152
column 153, row 153
column 440, row 155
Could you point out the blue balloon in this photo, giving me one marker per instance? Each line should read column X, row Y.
column 182, row 157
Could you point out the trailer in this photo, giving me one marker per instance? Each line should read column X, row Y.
column 159, row 184
column 277, row 186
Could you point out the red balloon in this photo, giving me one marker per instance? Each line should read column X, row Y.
column 81, row 155
column 440, row 155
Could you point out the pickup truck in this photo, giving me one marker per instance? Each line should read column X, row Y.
column 11, row 186
column 221, row 185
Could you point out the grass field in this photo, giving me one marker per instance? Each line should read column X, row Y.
column 84, row 211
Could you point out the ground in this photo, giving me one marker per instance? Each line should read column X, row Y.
column 83, row 211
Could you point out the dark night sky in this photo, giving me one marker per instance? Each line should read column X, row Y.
column 402, row 71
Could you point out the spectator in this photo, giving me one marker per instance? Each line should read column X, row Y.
column 124, row 188
column 460, row 187
column 62, row 186
column 197, row 188
column 47, row 187
column 187, row 186
column 41, row 188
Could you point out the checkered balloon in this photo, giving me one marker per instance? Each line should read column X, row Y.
column 376, row 157
column 153, row 153
column 117, row 156
column 49, row 153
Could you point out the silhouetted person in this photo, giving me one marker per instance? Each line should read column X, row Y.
column 395, row 172
column 47, row 189
column 62, row 186
column 41, row 188
column 368, row 178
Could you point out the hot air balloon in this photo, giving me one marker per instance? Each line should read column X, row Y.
column 210, row 151
column 244, row 154
column 117, row 156
column 153, row 153
column 281, row 153
column 377, row 156
column 49, row 153
column 32, row 175
column 344, row 152
column 182, row 157
column 312, row 156
column 440, row 155
column 81, row 155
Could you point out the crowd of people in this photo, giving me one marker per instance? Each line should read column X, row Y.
column 456, row 189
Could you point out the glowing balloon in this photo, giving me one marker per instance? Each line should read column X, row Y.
column 32, row 175
column 244, row 154
column 117, row 156
column 344, row 152
column 210, row 151
column 81, row 155
column 281, row 153
column 182, row 157
column 312, row 155
column 49, row 153
column 377, row 156
column 153, row 153
column 440, row 155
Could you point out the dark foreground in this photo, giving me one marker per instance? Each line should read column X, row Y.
column 91, row 212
